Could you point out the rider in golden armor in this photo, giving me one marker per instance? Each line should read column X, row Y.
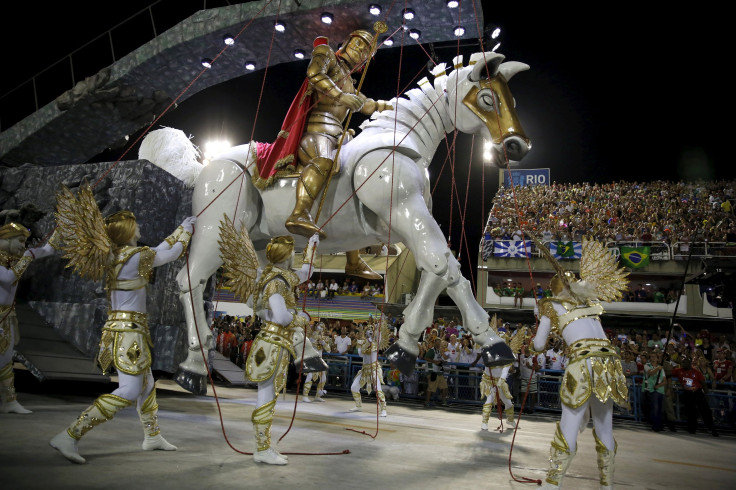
column 334, row 94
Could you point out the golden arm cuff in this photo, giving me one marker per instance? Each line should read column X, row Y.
column 20, row 267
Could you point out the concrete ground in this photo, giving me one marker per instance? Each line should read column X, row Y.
column 414, row 447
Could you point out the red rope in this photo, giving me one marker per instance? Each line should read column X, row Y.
column 214, row 390
column 522, row 479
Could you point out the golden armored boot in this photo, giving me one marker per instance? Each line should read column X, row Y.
column 510, row 417
column 102, row 410
column 605, row 461
column 382, row 401
column 355, row 266
column 307, row 387
column 486, row 415
column 308, row 186
column 262, row 419
column 560, row 457
column 358, row 404
column 152, row 438
column 320, row 391
column 8, row 402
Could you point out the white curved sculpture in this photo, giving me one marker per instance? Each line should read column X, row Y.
column 374, row 181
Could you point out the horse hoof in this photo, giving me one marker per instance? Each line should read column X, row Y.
column 404, row 360
column 313, row 365
column 498, row 354
column 192, row 382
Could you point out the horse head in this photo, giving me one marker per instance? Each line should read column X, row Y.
column 480, row 102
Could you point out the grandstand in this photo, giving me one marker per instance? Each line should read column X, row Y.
column 672, row 237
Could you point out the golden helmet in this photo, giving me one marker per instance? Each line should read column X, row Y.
column 279, row 248
column 12, row 230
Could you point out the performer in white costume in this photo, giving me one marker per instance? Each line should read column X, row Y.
column 373, row 339
column 494, row 382
column 283, row 331
column 320, row 343
column 14, row 259
column 593, row 379
column 109, row 249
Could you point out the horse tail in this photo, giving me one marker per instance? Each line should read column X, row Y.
column 171, row 150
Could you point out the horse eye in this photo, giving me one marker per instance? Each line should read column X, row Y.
column 487, row 100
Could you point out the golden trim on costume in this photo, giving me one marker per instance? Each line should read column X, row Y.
column 487, row 383
column 605, row 459
column 20, row 267
column 608, row 380
column 102, row 410
column 560, row 457
column 125, row 343
column 262, row 417
column 9, row 325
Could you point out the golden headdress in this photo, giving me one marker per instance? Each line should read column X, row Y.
column 279, row 248
column 12, row 230
column 601, row 278
column 238, row 255
column 119, row 216
column 381, row 332
column 86, row 243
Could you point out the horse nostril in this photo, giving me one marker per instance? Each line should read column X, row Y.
column 513, row 147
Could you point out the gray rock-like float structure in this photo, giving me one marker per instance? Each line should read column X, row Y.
column 77, row 308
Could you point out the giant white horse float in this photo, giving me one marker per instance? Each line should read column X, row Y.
column 383, row 179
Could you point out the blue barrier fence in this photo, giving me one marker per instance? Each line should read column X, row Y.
column 463, row 389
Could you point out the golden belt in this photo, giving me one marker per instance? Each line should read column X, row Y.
column 128, row 316
column 583, row 348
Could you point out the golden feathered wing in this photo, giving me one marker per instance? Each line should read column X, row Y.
column 238, row 255
column 383, row 339
column 84, row 240
column 600, row 269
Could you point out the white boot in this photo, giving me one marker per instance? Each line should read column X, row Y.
column 306, row 399
column 483, row 426
column 269, row 456
column 13, row 407
column 383, row 413
column 151, row 443
column 67, row 446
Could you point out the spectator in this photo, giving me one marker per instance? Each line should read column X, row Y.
column 655, row 382
column 333, row 289
column 722, row 367
column 529, row 366
column 693, row 396
column 436, row 377
column 628, row 365
column 518, row 294
column 342, row 342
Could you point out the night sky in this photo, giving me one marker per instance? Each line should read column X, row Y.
column 616, row 91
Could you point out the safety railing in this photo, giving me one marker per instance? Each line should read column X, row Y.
column 463, row 383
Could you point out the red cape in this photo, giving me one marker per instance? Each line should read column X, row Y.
column 280, row 158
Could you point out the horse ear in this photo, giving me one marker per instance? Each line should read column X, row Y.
column 490, row 59
column 511, row 68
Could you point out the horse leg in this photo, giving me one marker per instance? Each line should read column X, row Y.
column 211, row 201
column 494, row 351
column 415, row 226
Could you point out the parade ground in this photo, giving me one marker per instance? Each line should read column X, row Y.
column 413, row 448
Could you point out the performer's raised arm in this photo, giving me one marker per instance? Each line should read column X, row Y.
column 175, row 244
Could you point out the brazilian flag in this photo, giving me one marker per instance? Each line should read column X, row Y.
column 565, row 249
column 635, row 257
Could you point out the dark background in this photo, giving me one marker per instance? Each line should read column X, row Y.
column 616, row 91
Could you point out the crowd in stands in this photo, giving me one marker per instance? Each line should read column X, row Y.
column 653, row 360
column 329, row 288
column 234, row 336
column 639, row 293
column 659, row 211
